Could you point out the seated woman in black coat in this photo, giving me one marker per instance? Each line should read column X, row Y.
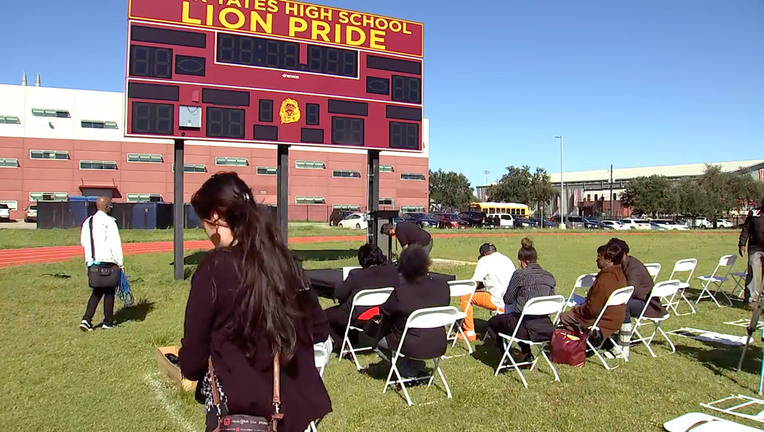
column 416, row 290
column 374, row 273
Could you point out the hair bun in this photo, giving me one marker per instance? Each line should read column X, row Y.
column 526, row 243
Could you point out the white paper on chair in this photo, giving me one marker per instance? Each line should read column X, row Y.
column 742, row 322
column 576, row 300
column 709, row 336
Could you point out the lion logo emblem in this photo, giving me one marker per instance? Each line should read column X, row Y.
column 290, row 111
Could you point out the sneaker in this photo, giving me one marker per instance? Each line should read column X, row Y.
column 107, row 326
column 86, row 326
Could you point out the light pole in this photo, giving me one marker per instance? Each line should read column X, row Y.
column 562, row 187
column 486, row 172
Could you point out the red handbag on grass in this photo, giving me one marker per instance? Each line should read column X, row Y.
column 569, row 347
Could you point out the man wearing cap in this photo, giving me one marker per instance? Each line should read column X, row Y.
column 493, row 272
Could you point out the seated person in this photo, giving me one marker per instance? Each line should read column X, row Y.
column 416, row 290
column 408, row 234
column 528, row 282
column 493, row 272
column 609, row 279
column 374, row 273
column 637, row 276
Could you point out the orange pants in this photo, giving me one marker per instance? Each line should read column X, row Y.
column 482, row 299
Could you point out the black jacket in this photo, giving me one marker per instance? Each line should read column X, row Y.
column 210, row 310
column 383, row 276
column 425, row 292
column 753, row 231
column 637, row 276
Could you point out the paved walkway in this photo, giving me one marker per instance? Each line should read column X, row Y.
column 14, row 257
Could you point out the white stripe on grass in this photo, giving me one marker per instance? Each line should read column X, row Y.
column 168, row 406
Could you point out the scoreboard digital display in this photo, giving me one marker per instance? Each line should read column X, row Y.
column 275, row 72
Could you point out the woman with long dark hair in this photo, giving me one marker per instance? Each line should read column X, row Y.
column 250, row 302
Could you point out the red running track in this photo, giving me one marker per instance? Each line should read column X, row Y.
column 15, row 257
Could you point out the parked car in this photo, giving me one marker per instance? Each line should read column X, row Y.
column 355, row 220
column 5, row 212
column 702, row 223
column 475, row 218
column 452, row 221
column 667, row 224
column 337, row 216
column 594, row 224
column 499, row 220
column 31, row 214
column 422, row 219
column 636, row 224
column 575, row 222
column 724, row 223
column 523, row 222
column 542, row 222
column 612, row 224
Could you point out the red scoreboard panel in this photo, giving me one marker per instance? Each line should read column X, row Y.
column 273, row 71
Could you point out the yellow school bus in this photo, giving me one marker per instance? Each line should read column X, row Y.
column 495, row 207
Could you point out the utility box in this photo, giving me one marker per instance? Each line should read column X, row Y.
column 375, row 237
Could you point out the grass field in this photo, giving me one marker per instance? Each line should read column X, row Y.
column 57, row 378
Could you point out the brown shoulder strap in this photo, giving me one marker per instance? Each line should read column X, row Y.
column 214, row 385
column 277, row 414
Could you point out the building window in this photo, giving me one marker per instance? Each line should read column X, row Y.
column 9, row 163
column 409, row 176
column 265, row 111
column 348, row 207
column 310, row 165
column 386, row 201
column 49, row 154
column 267, row 171
column 13, row 205
column 192, row 168
column 135, row 197
column 310, row 200
column 346, row 174
column 48, row 196
column 96, row 124
column 144, row 158
column 385, row 168
column 412, row 209
column 40, row 112
column 9, row 120
column 231, row 161
column 98, row 165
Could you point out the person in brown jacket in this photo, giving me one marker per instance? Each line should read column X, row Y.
column 609, row 279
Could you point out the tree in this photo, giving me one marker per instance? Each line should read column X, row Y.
column 450, row 189
column 727, row 191
column 514, row 186
column 541, row 189
column 693, row 201
column 650, row 195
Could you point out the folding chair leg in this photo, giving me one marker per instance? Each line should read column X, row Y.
column 554, row 370
column 645, row 341
column 516, row 367
column 597, row 353
column 461, row 332
column 665, row 336
column 689, row 303
column 706, row 293
column 618, row 348
column 442, row 377
column 503, row 357
column 719, row 290
column 390, row 374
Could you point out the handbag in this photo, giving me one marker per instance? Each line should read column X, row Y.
column 243, row 422
column 569, row 347
column 105, row 275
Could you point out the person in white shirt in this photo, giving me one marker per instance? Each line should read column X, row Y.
column 108, row 253
column 493, row 272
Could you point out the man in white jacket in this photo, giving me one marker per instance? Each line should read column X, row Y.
column 493, row 272
column 108, row 251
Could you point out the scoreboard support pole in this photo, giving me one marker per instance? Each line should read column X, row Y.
column 178, row 209
column 372, row 158
column 282, row 191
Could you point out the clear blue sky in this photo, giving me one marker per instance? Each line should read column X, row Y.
column 632, row 83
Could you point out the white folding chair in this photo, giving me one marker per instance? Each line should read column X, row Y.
column 739, row 278
column 584, row 282
column 365, row 298
column 682, row 266
column 427, row 318
column 459, row 289
column 659, row 291
column 321, row 355
column 619, row 297
column 654, row 269
column 346, row 271
column 726, row 261
column 537, row 306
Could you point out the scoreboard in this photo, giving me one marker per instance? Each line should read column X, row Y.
column 274, row 72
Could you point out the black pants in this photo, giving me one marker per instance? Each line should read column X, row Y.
column 633, row 309
column 506, row 324
column 108, row 304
